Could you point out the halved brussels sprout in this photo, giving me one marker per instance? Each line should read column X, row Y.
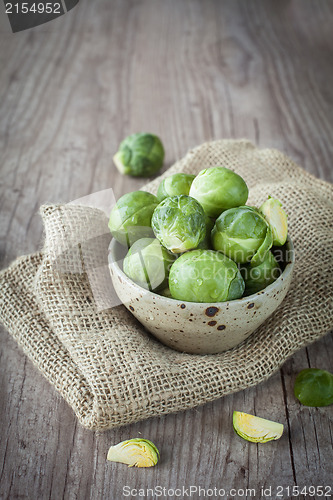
column 174, row 185
column 179, row 223
column 217, row 189
column 140, row 155
column 314, row 387
column 257, row 278
column 130, row 218
column 243, row 235
column 205, row 276
column 135, row 453
column 277, row 218
column 148, row 263
column 256, row 429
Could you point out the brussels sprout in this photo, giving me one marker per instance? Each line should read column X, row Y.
column 277, row 218
column 205, row 276
column 134, row 452
column 256, row 429
column 147, row 263
column 130, row 218
column 314, row 387
column 217, row 189
column 174, row 185
column 206, row 243
column 257, row 278
column 243, row 235
column 140, row 155
column 179, row 223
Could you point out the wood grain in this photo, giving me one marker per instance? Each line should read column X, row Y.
column 188, row 71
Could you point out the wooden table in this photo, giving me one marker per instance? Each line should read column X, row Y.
column 189, row 71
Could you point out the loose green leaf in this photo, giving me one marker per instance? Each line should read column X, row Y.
column 314, row 387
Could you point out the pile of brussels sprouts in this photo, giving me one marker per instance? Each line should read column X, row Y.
column 197, row 240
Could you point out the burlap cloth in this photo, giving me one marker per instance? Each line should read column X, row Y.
column 103, row 362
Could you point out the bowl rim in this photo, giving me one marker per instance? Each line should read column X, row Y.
column 285, row 273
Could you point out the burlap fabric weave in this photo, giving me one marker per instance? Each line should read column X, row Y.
column 104, row 363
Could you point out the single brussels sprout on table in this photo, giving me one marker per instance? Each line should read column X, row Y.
column 277, row 219
column 174, row 185
column 205, row 276
column 243, row 235
column 217, row 189
column 257, row 278
column 130, row 218
column 179, row 223
column 135, row 452
column 140, row 155
column 147, row 263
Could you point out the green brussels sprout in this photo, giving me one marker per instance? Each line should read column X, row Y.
column 140, row 155
column 179, row 223
column 147, row 263
column 205, row 276
column 314, row 387
column 257, row 278
column 174, row 185
column 206, row 243
column 130, row 218
column 243, row 235
column 277, row 218
column 217, row 189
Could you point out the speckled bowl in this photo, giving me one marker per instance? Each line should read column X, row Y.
column 200, row 328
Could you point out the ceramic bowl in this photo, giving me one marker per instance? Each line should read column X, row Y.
column 200, row 328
